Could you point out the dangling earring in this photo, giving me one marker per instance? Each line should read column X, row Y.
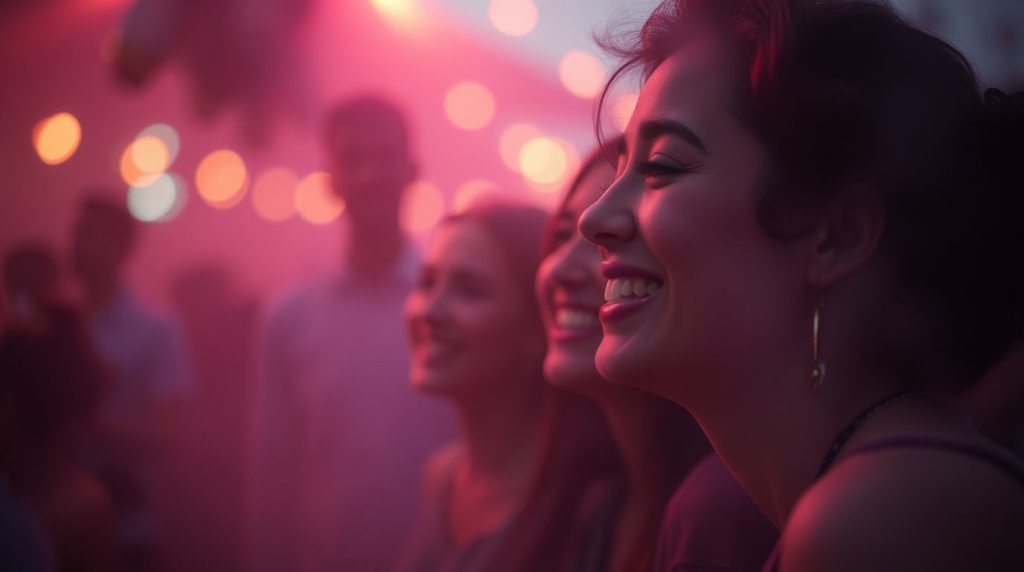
column 817, row 365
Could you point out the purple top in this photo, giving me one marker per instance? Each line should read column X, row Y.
column 1001, row 461
column 711, row 525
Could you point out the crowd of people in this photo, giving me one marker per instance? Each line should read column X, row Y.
column 774, row 325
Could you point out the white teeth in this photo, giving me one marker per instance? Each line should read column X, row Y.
column 575, row 319
column 619, row 288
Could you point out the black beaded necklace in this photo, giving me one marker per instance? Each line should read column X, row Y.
column 851, row 428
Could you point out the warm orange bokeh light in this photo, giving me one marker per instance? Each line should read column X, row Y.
column 221, row 179
column 405, row 13
column 149, row 154
column 57, row 137
column 273, row 194
column 513, row 17
column 512, row 141
column 315, row 201
column 544, row 161
column 143, row 161
column 422, row 208
column 469, row 105
column 167, row 135
column 471, row 192
column 622, row 110
column 582, row 74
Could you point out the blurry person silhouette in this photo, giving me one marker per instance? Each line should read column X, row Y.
column 340, row 436
column 31, row 279
column 130, row 445
column 218, row 320
column 51, row 383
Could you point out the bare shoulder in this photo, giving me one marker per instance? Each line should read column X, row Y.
column 908, row 509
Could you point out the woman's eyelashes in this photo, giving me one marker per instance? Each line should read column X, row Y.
column 660, row 169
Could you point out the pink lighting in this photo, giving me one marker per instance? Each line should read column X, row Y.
column 514, row 18
column 622, row 110
column 582, row 74
column 315, row 201
column 512, row 141
column 422, row 208
column 472, row 191
column 469, row 105
column 543, row 160
column 273, row 194
column 401, row 12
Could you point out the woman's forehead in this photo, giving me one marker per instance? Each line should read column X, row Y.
column 466, row 243
column 694, row 87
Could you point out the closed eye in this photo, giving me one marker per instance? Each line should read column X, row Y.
column 660, row 169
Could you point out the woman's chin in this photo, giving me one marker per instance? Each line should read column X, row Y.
column 574, row 373
column 623, row 363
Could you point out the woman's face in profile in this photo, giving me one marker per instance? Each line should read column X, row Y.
column 692, row 279
column 570, row 289
column 468, row 318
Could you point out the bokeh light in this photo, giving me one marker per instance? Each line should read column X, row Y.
column 402, row 12
column 422, row 207
column 514, row 18
column 471, row 192
column 273, row 194
column 161, row 200
column 166, row 134
column 149, row 154
column 57, row 137
column 469, row 105
column 582, row 74
column 544, row 161
column 512, row 141
column 622, row 110
column 547, row 190
column 315, row 201
column 221, row 179
column 143, row 161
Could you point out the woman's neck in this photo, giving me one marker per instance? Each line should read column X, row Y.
column 501, row 451
column 775, row 434
column 501, row 436
column 655, row 462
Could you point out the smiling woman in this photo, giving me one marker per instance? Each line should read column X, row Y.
column 477, row 340
column 790, row 196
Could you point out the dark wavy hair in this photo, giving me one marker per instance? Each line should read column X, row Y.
column 850, row 99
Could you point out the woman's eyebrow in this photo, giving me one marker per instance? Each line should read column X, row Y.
column 655, row 128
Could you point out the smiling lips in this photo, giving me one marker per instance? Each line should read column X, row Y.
column 621, row 288
column 573, row 322
column 629, row 289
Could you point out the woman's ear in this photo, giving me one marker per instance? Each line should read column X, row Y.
column 844, row 238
